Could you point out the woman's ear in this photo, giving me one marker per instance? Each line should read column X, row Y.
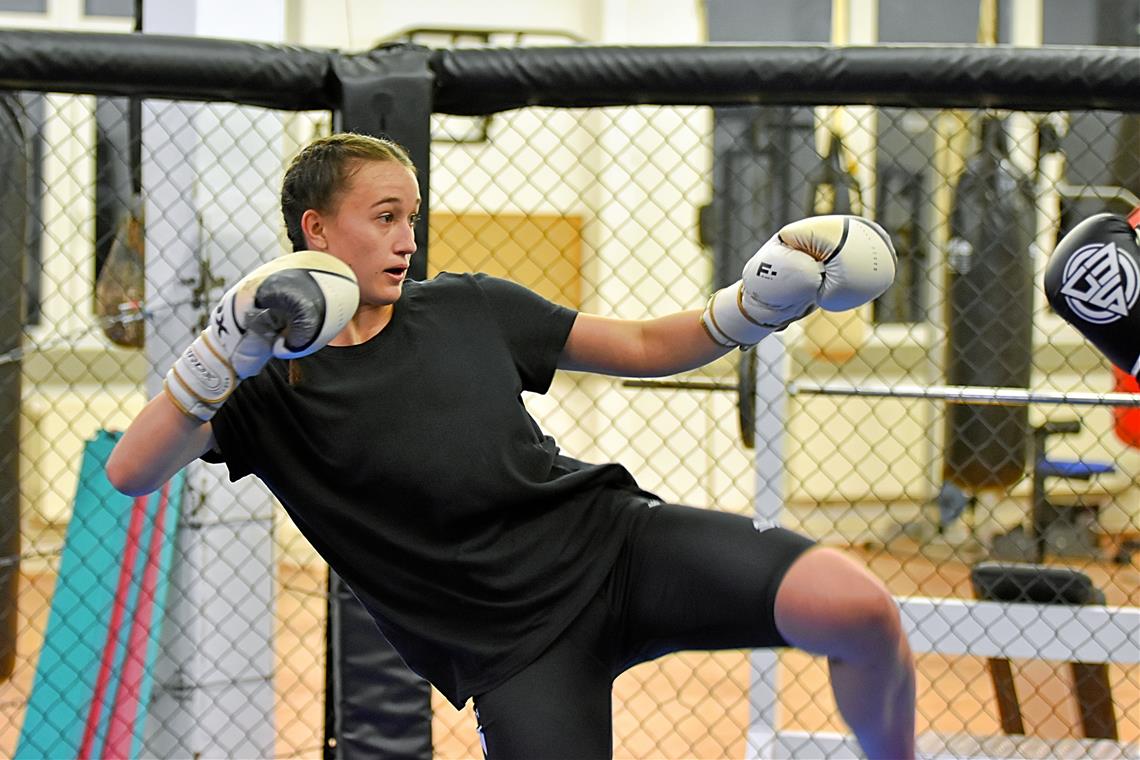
column 313, row 227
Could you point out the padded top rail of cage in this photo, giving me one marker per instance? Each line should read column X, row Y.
column 489, row 80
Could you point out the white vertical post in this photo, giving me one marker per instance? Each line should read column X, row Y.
column 207, row 203
column 771, row 369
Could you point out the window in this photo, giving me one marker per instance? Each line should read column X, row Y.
column 123, row 8
column 24, row 6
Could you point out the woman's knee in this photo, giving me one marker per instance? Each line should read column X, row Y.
column 828, row 603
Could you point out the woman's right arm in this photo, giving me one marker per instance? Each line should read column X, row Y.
column 158, row 443
column 308, row 294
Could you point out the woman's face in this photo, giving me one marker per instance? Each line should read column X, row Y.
column 370, row 228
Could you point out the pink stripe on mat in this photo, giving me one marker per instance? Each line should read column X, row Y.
column 125, row 709
column 118, row 610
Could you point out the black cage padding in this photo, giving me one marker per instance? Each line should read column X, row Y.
column 486, row 81
column 161, row 66
column 489, row 80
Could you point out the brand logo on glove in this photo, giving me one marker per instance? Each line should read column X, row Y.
column 765, row 270
column 211, row 381
column 1099, row 284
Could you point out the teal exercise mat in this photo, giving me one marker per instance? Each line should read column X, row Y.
column 95, row 672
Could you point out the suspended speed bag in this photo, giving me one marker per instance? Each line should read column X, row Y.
column 990, row 319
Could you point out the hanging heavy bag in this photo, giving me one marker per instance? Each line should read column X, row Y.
column 990, row 315
column 833, row 189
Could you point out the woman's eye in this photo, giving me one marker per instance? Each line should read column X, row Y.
column 386, row 218
column 413, row 219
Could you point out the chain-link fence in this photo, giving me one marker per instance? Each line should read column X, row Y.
column 136, row 215
column 602, row 209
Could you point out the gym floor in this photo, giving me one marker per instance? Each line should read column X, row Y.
column 683, row 706
column 695, row 705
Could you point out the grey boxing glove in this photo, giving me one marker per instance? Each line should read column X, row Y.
column 288, row 308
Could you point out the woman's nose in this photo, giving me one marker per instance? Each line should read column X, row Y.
column 407, row 244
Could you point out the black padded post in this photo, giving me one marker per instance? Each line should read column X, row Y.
column 387, row 92
column 13, row 222
column 375, row 706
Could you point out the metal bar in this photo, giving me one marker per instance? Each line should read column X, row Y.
column 1097, row 192
column 968, row 394
column 691, row 385
column 962, row 394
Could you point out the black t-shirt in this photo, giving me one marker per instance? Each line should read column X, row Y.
column 413, row 467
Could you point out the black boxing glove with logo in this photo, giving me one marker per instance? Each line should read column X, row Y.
column 1093, row 281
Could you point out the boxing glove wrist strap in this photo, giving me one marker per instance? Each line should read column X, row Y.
column 200, row 380
column 728, row 324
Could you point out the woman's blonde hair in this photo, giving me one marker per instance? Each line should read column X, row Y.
column 319, row 173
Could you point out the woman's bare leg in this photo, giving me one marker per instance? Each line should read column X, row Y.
column 829, row 604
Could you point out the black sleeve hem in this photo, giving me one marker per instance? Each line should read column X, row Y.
column 565, row 318
column 223, row 442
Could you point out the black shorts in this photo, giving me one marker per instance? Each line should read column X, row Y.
column 687, row 579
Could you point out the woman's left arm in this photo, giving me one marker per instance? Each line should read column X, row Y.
column 836, row 262
column 639, row 348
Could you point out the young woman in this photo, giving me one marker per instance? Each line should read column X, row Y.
column 501, row 569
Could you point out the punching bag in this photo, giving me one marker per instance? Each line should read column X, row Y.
column 990, row 314
column 833, row 189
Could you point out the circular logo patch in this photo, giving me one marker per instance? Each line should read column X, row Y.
column 1100, row 284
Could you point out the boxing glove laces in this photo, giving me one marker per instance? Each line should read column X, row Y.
column 835, row 262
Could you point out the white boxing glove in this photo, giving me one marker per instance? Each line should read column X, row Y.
column 835, row 262
column 858, row 258
column 288, row 308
